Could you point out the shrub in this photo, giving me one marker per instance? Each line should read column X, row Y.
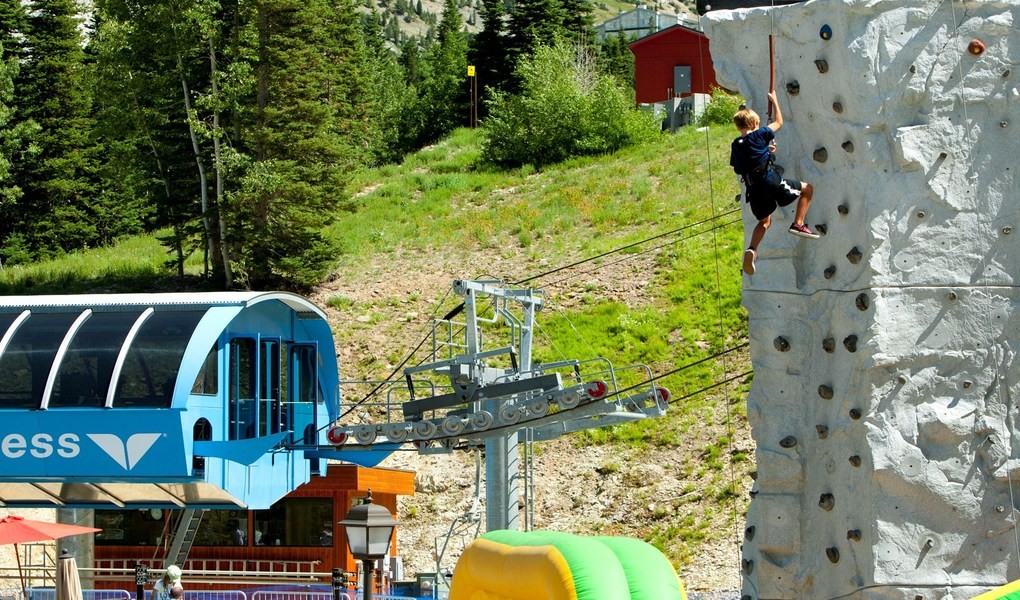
column 721, row 108
column 566, row 108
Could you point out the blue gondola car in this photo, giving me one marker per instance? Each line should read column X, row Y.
column 162, row 400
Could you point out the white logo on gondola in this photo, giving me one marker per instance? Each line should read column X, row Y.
column 126, row 454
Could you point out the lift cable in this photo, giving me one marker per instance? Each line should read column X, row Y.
column 457, row 309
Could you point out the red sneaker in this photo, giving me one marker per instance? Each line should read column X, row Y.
column 803, row 231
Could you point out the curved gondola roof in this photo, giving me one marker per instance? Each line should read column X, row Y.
column 70, row 363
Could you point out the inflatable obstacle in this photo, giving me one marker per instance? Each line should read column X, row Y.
column 514, row 565
column 1009, row 591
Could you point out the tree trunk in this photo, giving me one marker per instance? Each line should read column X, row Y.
column 207, row 227
column 228, row 276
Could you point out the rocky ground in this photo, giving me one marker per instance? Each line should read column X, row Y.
column 381, row 310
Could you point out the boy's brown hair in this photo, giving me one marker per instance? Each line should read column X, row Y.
column 746, row 119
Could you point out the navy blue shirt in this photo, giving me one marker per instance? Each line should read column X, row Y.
column 751, row 150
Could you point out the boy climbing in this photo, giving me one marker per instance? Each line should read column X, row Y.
column 766, row 189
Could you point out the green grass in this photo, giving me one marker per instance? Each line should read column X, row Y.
column 135, row 264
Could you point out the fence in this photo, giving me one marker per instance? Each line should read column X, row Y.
column 50, row 594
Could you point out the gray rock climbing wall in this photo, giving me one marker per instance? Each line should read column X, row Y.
column 885, row 353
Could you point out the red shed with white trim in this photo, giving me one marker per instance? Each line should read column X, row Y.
column 674, row 62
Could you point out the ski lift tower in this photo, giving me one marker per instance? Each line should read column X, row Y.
column 487, row 397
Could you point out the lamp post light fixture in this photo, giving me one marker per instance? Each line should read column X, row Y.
column 369, row 528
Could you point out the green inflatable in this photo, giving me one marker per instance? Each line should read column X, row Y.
column 547, row 565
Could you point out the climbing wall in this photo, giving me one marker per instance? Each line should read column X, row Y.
column 885, row 353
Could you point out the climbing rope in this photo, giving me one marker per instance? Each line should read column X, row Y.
column 722, row 333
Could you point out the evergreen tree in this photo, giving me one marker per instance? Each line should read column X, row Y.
column 444, row 95
column 305, row 130
column 57, row 211
column 579, row 20
column 533, row 23
column 13, row 138
column 410, row 58
column 13, row 28
column 488, row 49
column 617, row 59
column 389, row 92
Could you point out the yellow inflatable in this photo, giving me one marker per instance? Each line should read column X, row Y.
column 545, row 565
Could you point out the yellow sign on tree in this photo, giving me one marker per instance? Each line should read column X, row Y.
column 471, row 70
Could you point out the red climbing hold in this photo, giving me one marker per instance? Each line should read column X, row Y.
column 976, row 47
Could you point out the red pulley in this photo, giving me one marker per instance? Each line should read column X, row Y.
column 597, row 389
column 336, row 436
column 976, row 47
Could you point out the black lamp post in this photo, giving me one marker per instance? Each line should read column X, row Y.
column 368, row 528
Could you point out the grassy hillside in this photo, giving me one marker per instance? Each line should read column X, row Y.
column 639, row 253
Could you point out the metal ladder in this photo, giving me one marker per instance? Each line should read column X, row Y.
column 184, row 536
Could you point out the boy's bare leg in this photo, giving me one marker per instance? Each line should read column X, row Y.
column 806, row 191
column 759, row 231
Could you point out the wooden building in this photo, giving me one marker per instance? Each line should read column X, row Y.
column 296, row 540
column 672, row 63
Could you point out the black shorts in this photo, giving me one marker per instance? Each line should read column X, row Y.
column 769, row 192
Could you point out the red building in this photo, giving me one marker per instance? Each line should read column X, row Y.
column 672, row 63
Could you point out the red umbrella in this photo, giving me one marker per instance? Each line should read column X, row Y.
column 19, row 530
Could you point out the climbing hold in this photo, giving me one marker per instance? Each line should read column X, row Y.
column 827, row 501
column 825, row 392
column 901, row 380
column 1007, row 72
column 822, row 229
column 838, row 107
column 855, row 413
column 967, row 384
column 1004, row 124
column 829, row 344
column 855, row 460
column 862, row 302
column 850, row 343
column 854, row 534
column 793, row 88
column 854, row 256
column 825, row 32
column 821, row 155
column 830, row 271
column 822, row 65
column 920, row 214
column 952, row 296
column 943, row 155
column 848, row 146
column 832, row 554
column 749, row 533
column 747, row 566
column 843, row 209
column 976, row 47
column 823, row 431
column 1007, row 230
column 781, row 344
column 788, row 442
column 913, row 69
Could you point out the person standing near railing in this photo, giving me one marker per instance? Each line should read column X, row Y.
column 170, row 580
